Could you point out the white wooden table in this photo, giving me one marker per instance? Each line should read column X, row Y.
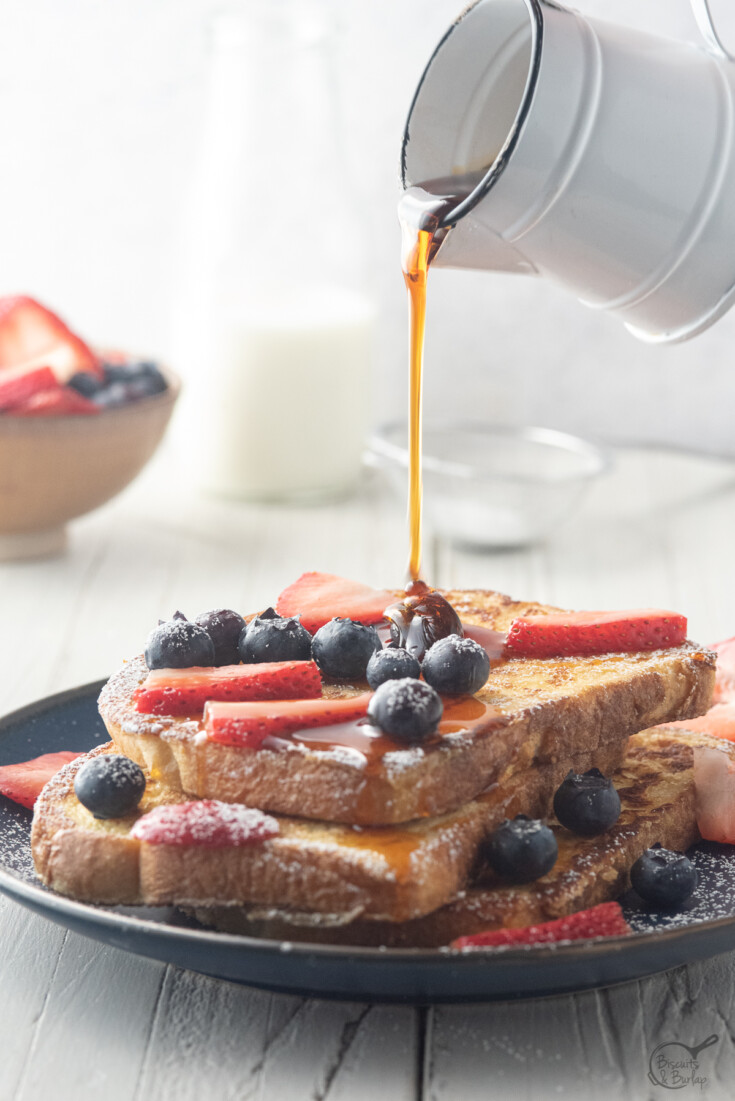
column 83, row 1021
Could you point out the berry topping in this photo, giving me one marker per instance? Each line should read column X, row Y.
column 407, row 709
column 319, row 597
column 206, row 823
column 178, row 644
column 456, row 666
column 35, row 337
column 224, row 627
column 725, row 672
column 24, row 781
column 421, row 619
column 522, row 849
column 663, row 878
column 269, row 613
column 18, row 385
column 129, row 381
column 587, row 804
column 86, row 383
column 605, row 920
column 249, row 724
column 185, row 691
column 583, row 633
column 109, row 786
column 714, row 786
column 273, row 638
column 391, row 664
column 342, row 648
column 59, row 402
column 719, row 721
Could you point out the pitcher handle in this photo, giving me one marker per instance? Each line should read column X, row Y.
column 706, row 25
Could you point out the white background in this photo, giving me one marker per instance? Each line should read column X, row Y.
column 100, row 123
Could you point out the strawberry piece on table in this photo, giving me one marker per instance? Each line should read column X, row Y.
column 33, row 336
column 562, row 634
column 23, row 782
column 61, row 402
column 185, row 691
column 714, row 785
column 725, row 672
column 249, row 724
column 18, row 385
column 605, row 920
column 319, row 597
column 206, row 823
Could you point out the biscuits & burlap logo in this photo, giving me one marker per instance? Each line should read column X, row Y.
column 675, row 1065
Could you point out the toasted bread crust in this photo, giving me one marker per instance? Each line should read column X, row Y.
column 548, row 710
column 656, row 786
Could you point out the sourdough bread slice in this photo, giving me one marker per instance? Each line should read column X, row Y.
column 539, row 711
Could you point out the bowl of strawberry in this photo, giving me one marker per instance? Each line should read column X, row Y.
column 76, row 425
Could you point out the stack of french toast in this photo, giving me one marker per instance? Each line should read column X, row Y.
column 303, row 818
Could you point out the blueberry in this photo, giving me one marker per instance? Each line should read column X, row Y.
column 587, row 804
column 456, row 666
column 342, row 648
column 112, row 395
column 664, row 878
column 391, row 664
column 269, row 613
column 521, row 850
column 279, row 639
column 178, row 644
column 109, row 786
column 118, row 372
column 407, row 709
column 224, row 627
column 85, row 383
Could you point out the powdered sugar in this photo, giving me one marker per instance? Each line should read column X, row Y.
column 207, row 823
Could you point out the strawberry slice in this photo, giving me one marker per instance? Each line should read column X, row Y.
column 319, row 597
column 61, row 402
column 719, row 721
column 249, row 724
column 605, row 920
column 185, row 691
column 18, row 385
column 725, row 675
column 714, row 786
column 33, row 336
column 582, row 633
column 23, row 782
column 206, row 823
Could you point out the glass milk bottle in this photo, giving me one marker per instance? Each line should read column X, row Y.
column 274, row 332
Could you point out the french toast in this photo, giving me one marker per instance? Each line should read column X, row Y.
column 656, row 787
column 531, row 713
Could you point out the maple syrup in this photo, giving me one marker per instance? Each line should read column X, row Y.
column 421, row 619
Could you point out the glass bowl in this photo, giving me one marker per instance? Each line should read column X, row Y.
column 489, row 486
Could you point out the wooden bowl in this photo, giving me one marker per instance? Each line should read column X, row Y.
column 53, row 469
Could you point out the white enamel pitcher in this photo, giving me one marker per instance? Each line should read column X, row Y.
column 600, row 157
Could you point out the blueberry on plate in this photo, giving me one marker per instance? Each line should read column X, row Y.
column 280, row 639
column 664, row 878
column 587, row 803
column 342, row 648
column 407, row 709
column 521, row 849
column 392, row 663
column 110, row 785
column 456, row 666
column 224, row 627
column 178, row 644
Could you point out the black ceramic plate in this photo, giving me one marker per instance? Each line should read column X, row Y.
column 70, row 721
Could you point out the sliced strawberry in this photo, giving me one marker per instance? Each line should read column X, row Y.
column 719, row 721
column 319, row 597
column 714, row 785
column 185, row 691
column 23, row 782
column 17, row 385
column 582, row 633
column 61, row 402
column 33, row 336
column 206, row 823
column 725, row 675
column 249, row 724
column 605, row 920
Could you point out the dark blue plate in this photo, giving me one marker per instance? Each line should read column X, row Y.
column 69, row 720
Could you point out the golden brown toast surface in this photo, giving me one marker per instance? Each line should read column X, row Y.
column 542, row 711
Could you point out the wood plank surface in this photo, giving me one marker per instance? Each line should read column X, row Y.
column 81, row 1021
